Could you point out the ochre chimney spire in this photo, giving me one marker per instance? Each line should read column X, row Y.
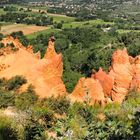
column 50, row 52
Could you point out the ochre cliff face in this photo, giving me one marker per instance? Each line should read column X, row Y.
column 96, row 89
column 105, row 80
column 123, row 76
column 88, row 90
column 44, row 74
column 122, row 72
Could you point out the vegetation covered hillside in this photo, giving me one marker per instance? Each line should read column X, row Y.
column 25, row 117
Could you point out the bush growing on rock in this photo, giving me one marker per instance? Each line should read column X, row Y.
column 16, row 82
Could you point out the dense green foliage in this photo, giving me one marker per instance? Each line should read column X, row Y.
column 6, row 130
column 14, row 17
column 35, row 119
column 15, row 82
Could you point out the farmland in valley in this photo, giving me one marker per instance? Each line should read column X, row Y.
column 26, row 29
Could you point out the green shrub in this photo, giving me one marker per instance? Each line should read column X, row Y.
column 34, row 131
column 71, row 128
column 12, row 45
column 1, row 45
column 110, row 130
column 84, row 111
column 78, row 127
column 3, row 83
column 46, row 115
column 16, row 82
column 6, row 131
column 21, row 37
column 136, row 124
column 15, row 49
column 6, row 99
column 1, row 35
column 114, row 126
column 26, row 99
column 59, row 105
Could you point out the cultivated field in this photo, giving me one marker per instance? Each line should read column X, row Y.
column 89, row 23
column 26, row 29
column 69, row 23
column 48, row 31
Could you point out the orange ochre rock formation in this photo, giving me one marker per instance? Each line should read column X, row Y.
column 123, row 76
column 45, row 74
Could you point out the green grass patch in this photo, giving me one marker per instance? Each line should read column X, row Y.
column 86, row 23
column 5, row 23
column 48, row 31
column 59, row 18
column 2, row 11
column 122, row 31
column 39, row 7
